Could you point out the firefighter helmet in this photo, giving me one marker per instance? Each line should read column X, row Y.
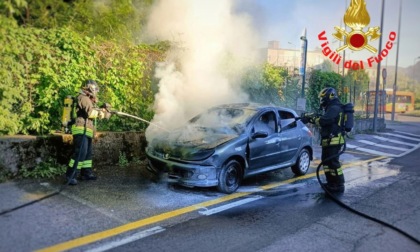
column 326, row 96
column 92, row 87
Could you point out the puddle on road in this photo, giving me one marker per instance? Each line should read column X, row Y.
column 361, row 180
column 123, row 190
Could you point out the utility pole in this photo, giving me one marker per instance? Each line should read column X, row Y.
column 394, row 90
column 303, row 62
column 383, row 96
column 375, row 112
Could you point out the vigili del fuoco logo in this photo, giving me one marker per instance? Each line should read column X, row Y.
column 357, row 19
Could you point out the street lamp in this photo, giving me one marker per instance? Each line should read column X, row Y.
column 303, row 61
column 394, row 87
column 375, row 110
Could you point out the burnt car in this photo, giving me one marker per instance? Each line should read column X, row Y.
column 228, row 143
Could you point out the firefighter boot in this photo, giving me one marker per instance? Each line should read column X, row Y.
column 340, row 180
column 335, row 182
column 70, row 177
column 87, row 174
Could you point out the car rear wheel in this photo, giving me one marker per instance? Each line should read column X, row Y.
column 230, row 177
column 302, row 163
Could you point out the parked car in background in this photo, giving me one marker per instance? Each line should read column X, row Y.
column 228, row 143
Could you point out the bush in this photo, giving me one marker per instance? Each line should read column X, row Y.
column 39, row 68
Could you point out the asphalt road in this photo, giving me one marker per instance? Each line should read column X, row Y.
column 125, row 210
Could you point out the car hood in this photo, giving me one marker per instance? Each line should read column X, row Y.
column 191, row 143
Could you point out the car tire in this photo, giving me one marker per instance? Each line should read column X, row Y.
column 302, row 163
column 230, row 177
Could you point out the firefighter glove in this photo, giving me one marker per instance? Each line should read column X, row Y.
column 107, row 107
column 103, row 113
column 304, row 120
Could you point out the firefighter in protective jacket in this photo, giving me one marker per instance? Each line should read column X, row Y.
column 332, row 138
column 83, row 132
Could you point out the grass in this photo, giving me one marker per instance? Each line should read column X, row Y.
column 47, row 169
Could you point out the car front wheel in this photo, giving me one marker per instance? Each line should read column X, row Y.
column 230, row 177
column 302, row 163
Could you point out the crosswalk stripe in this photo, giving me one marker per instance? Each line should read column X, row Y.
column 380, row 153
column 408, row 134
column 401, row 136
column 383, row 146
column 393, row 141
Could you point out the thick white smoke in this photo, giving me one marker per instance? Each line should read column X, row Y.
column 214, row 46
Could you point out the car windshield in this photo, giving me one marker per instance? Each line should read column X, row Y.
column 223, row 118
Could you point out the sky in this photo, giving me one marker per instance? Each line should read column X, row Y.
column 285, row 20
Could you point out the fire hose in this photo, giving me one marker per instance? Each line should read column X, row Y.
column 74, row 168
column 342, row 204
column 73, row 173
column 119, row 113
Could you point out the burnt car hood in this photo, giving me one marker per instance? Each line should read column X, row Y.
column 192, row 143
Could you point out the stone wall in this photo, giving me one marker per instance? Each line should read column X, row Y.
column 364, row 125
column 17, row 152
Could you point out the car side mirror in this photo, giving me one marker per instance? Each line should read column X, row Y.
column 259, row 134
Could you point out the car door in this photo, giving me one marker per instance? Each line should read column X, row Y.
column 290, row 136
column 264, row 151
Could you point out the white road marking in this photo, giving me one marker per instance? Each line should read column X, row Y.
column 228, row 206
column 131, row 238
column 402, row 136
column 383, row 146
column 393, row 141
column 410, row 134
column 351, row 146
column 370, row 151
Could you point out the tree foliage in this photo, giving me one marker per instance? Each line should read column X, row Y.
column 264, row 84
column 39, row 68
column 356, row 82
column 116, row 20
column 319, row 80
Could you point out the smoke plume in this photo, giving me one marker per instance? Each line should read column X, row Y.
column 212, row 46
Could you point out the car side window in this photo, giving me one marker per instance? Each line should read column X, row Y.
column 287, row 120
column 266, row 123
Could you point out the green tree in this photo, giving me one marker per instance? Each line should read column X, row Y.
column 264, row 84
column 319, row 80
column 39, row 68
column 356, row 82
column 291, row 89
column 116, row 20
column 12, row 8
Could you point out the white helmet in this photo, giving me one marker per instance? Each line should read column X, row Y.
column 92, row 87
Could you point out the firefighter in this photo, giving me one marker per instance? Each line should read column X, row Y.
column 83, row 131
column 332, row 138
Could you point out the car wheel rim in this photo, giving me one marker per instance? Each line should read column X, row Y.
column 304, row 162
column 232, row 176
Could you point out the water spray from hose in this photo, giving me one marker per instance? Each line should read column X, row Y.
column 138, row 118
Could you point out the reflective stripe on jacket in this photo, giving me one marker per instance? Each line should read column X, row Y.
column 80, row 130
column 337, row 140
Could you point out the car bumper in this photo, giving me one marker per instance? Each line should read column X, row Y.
column 186, row 174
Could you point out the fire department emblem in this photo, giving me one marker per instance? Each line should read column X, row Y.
column 357, row 18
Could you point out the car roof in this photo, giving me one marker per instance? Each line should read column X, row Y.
column 254, row 106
